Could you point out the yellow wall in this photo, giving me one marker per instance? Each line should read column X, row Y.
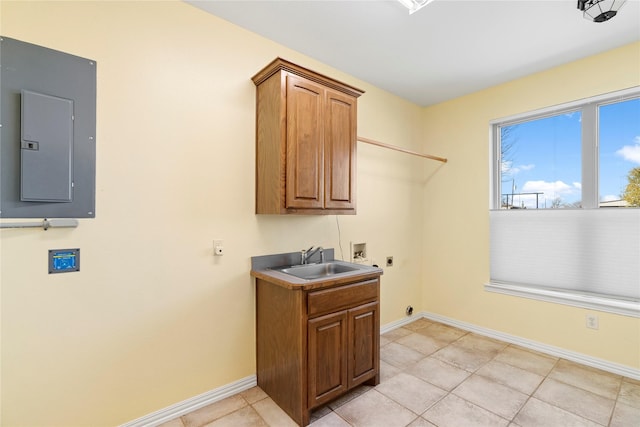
column 456, row 230
column 153, row 318
column 129, row 335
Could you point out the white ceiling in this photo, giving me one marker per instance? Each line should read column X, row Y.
column 447, row 49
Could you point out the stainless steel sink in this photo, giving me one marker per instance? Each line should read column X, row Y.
column 316, row 271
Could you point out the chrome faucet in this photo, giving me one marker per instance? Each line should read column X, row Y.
column 306, row 254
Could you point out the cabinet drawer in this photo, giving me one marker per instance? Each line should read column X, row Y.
column 334, row 299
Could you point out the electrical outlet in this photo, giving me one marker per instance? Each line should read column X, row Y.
column 218, row 247
column 592, row 321
column 389, row 261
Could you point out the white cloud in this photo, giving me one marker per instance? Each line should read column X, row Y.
column 547, row 193
column 509, row 169
column 551, row 189
column 610, row 198
column 505, row 167
column 631, row 153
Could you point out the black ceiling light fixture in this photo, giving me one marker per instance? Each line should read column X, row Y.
column 600, row 10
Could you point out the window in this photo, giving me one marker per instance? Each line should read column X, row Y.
column 570, row 157
column 556, row 175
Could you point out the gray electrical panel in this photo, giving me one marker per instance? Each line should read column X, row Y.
column 47, row 148
column 47, row 138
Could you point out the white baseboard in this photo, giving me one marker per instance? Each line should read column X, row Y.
column 616, row 368
column 399, row 323
column 191, row 404
column 207, row 398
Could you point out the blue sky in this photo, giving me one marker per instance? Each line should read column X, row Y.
column 544, row 155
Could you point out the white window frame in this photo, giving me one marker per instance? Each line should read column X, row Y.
column 590, row 201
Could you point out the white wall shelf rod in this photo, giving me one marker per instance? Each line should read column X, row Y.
column 45, row 224
column 403, row 150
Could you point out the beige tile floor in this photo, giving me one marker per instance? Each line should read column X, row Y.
column 436, row 375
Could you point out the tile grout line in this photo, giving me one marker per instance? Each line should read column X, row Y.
column 256, row 411
column 530, row 394
column 447, row 393
column 615, row 400
column 451, row 392
column 546, row 376
column 536, row 389
column 490, row 379
column 403, row 370
column 474, row 372
column 615, row 403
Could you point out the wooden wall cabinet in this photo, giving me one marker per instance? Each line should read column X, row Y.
column 305, row 142
column 313, row 346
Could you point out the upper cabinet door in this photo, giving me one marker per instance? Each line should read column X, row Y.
column 305, row 136
column 340, row 150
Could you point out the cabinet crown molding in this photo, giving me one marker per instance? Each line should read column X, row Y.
column 280, row 64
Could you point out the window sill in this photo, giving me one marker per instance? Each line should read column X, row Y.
column 576, row 299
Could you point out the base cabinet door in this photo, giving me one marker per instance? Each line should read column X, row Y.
column 327, row 357
column 363, row 343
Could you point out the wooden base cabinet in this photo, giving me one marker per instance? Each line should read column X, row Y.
column 314, row 346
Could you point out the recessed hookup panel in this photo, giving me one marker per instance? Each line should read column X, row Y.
column 359, row 253
column 47, row 133
column 64, row 260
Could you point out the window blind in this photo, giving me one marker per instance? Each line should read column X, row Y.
column 593, row 252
